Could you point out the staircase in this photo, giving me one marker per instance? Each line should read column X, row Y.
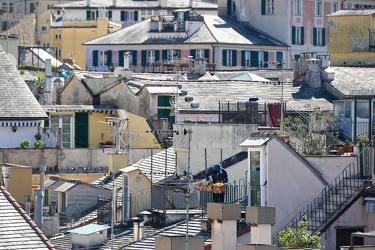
column 338, row 195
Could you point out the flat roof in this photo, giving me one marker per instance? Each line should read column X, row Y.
column 89, row 229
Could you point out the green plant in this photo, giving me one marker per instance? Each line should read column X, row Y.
column 300, row 237
column 39, row 79
column 364, row 140
column 39, row 144
column 25, row 143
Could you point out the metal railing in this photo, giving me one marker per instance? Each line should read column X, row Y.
column 337, row 194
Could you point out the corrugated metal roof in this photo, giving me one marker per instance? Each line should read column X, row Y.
column 89, row 229
column 49, row 182
column 65, row 187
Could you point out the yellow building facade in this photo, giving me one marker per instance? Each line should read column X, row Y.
column 68, row 36
column 352, row 38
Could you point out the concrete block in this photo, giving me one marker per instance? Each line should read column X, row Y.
column 178, row 242
column 221, row 211
column 261, row 215
column 256, row 247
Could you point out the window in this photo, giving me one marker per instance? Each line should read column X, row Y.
column 297, row 7
column 58, row 36
column 279, row 60
column 32, row 8
column 132, row 57
column 103, row 57
column 58, row 53
column 46, row 45
column 318, row 8
column 267, row 7
column 348, row 6
column 150, row 57
column 65, row 123
column 199, row 54
column 246, row 58
column 49, row 6
column 298, row 35
column 335, row 7
column 4, row 7
column 11, row 8
column 172, row 55
column 58, row 12
column 43, row 29
column 129, row 16
column 319, row 37
column 229, row 57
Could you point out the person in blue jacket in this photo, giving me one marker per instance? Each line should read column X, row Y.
column 217, row 174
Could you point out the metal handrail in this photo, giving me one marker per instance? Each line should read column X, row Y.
column 320, row 209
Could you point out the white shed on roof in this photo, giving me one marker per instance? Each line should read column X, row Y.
column 89, row 235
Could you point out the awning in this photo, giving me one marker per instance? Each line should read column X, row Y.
column 65, row 187
column 20, row 124
column 106, row 109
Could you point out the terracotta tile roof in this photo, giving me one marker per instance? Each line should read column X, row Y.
column 17, row 229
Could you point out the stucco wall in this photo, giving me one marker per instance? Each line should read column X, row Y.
column 210, row 143
column 85, row 196
column 290, row 183
column 75, row 93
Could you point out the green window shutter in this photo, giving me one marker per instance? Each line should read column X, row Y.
column 164, row 55
column 254, row 61
column 229, row 7
column 243, row 64
column 109, row 58
column 207, row 54
column 193, row 53
column 296, row 56
column 110, row 15
column 293, row 34
column 186, row 15
column 95, row 55
column 122, row 15
column 121, row 58
column 82, row 130
column 314, row 35
column 178, row 54
column 134, row 57
column 265, row 56
column 323, row 37
column 302, row 35
column 224, row 57
column 175, row 15
column 88, row 14
column 144, row 57
column 234, row 57
column 97, row 14
column 279, row 58
column 263, row 10
column 136, row 16
column 157, row 55
column 46, row 122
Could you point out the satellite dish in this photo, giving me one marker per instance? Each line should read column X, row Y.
column 72, row 211
column 117, row 71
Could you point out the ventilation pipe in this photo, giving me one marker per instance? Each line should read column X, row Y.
column 38, row 208
column 42, row 170
column 114, row 3
column 88, row 3
column 48, row 82
column 52, row 207
column 6, row 172
column 135, row 228
column 27, row 200
column 146, row 217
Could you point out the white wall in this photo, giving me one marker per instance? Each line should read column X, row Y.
column 10, row 139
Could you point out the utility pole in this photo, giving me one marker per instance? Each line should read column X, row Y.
column 189, row 132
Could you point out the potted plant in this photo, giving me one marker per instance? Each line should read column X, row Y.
column 39, row 81
column 25, row 143
column 39, row 144
column 364, row 140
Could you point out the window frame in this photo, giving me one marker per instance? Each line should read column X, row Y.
column 335, row 7
column 247, row 58
column 318, row 8
column 319, row 37
column 298, row 34
column 270, row 7
column 297, row 7
column 43, row 28
column 102, row 57
column 150, row 57
column 58, row 37
column 60, row 124
column 228, row 57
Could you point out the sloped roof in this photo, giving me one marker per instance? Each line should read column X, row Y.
column 17, row 230
column 354, row 80
column 108, row 4
column 98, row 86
column 16, row 100
column 366, row 12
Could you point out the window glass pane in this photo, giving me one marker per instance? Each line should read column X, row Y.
column 363, row 109
column 339, row 109
column 348, row 109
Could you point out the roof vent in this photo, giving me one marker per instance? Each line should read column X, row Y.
column 188, row 99
column 194, row 105
column 183, row 92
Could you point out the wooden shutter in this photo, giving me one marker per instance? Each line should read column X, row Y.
column 81, row 130
column 136, row 16
column 265, row 57
column 254, row 59
column 157, row 55
column 134, row 57
column 121, row 58
column 164, row 55
column 234, row 57
column 95, row 59
column 302, row 35
column 207, row 54
column 279, row 58
column 224, row 57
column 186, row 15
column 263, row 10
column 144, row 57
column 293, row 34
column 88, row 15
column 97, row 14
column 314, row 35
column 122, row 15
column 46, row 122
column 109, row 58
column 193, row 53
column 323, row 37
column 110, row 15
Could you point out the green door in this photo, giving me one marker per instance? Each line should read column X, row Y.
column 82, row 130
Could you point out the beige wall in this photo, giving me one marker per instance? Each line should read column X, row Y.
column 20, row 183
column 99, row 131
column 74, row 93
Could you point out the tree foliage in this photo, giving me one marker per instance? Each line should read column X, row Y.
column 300, row 237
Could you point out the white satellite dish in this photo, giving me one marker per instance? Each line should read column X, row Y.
column 117, row 71
column 73, row 212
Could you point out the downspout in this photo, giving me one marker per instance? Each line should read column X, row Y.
column 355, row 122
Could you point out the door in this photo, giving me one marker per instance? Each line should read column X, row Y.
column 343, row 237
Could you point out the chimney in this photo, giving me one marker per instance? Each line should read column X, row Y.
column 223, row 224
column 88, row 3
column 114, row 3
column 127, row 72
column 146, row 216
column 38, row 209
column 313, row 78
column 48, row 81
column 27, row 200
column 53, row 207
column 135, row 228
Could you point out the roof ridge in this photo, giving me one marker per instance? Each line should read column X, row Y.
column 27, row 218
